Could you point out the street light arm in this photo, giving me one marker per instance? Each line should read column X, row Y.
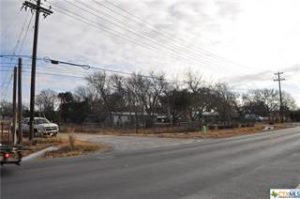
column 52, row 61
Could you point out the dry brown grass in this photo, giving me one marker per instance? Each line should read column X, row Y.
column 223, row 133
column 169, row 132
column 74, row 147
column 39, row 144
column 68, row 146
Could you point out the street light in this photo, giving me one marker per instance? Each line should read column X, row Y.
column 56, row 62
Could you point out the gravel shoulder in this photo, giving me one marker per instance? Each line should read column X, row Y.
column 133, row 143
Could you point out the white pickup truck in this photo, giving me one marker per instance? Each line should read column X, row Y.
column 42, row 127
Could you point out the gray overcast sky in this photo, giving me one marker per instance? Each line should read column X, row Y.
column 241, row 42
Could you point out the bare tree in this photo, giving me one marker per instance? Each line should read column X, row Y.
column 47, row 102
column 176, row 104
column 264, row 102
column 288, row 102
column 225, row 102
column 85, row 93
column 147, row 92
column 6, row 109
column 194, row 81
column 200, row 96
column 100, row 83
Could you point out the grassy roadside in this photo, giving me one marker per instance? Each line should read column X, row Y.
column 221, row 133
column 68, row 146
column 73, row 147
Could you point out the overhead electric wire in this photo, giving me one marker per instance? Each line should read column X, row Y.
column 17, row 56
column 117, row 22
column 25, row 35
column 93, row 67
column 168, row 35
column 20, row 34
column 9, row 63
column 5, row 89
column 130, row 27
column 88, row 22
column 52, row 74
column 3, row 84
column 191, row 58
column 115, row 32
column 18, row 39
column 10, row 66
column 152, row 28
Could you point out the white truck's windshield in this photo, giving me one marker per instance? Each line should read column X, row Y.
column 41, row 121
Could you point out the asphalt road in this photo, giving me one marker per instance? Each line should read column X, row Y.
column 241, row 167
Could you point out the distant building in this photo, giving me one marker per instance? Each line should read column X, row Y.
column 128, row 118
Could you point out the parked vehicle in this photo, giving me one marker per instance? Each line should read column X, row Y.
column 42, row 127
column 10, row 152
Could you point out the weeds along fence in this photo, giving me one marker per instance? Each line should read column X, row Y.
column 155, row 128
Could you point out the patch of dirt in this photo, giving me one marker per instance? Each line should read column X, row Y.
column 39, row 144
column 75, row 149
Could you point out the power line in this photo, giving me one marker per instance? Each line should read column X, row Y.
column 174, row 45
column 117, row 33
column 17, row 56
column 85, row 66
column 5, row 90
column 51, row 74
column 25, row 35
column 94, row 67
column 177, row 41
column 92, row 23
column 117, row 22
column 111, row 31
column 20, row 34
column 191, row 58
column 19, row 37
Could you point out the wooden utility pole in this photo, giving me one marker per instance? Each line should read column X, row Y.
column 38, row 9
column 14, row 106
column 20, row 134
column 279, row 79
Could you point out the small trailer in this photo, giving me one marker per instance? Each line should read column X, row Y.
column 10, row 151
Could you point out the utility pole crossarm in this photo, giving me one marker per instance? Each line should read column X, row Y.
column 278, row 74
column 33, row 6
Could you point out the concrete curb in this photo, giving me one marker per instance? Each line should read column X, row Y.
column 39, row 153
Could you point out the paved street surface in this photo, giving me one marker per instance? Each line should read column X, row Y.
column 241, row 167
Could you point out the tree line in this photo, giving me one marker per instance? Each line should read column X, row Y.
column 106, row 94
